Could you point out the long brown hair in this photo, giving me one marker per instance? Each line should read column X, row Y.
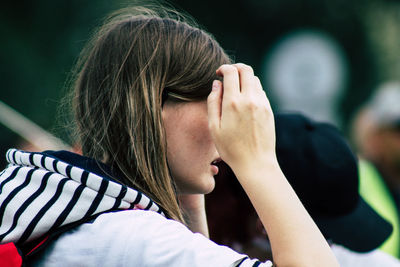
column 140, row 56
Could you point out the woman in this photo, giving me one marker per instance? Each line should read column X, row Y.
column 158, row 105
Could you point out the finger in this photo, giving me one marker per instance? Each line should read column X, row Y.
column 258, row 86
column 262, row 94
column 246, row 75
column 214, row 102
column 230, row 82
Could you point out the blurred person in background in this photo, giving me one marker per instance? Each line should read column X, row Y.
column 376, row 134
column 322, row 169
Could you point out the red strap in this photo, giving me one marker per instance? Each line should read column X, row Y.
column 9, row 255
column 38, row 245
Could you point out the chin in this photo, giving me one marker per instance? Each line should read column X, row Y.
column 209, row 187
column 206, row 187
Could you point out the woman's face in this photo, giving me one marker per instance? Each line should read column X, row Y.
column 190, row 149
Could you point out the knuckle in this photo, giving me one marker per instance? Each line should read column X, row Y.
column 247, row 68
column 252, row 104
column 234, row 104
column 244, row 67
column 229, row 69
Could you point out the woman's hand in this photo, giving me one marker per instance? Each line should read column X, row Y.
column 242, row 126
column 240, row 118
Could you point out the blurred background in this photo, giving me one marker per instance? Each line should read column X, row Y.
column 333, row 60
column 322, row 57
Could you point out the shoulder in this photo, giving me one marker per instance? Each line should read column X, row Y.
column 164, row 242
column 137, row 218
column 144, row 238
column 135, row 225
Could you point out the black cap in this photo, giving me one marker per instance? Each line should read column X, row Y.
column 322, row 169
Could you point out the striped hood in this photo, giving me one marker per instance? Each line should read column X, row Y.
column 41, row 193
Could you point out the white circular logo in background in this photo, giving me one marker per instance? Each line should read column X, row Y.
column 306, row 71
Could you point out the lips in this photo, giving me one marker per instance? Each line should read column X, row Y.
column 215, row 165
column 216, row 161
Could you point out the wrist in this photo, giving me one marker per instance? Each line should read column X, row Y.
column 263, row 164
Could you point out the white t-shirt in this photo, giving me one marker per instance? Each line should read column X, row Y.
column 138, row 238
column 375, row 258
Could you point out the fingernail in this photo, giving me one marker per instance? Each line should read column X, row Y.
column 215, row 85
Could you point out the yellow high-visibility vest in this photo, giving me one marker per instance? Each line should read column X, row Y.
column 375, row 192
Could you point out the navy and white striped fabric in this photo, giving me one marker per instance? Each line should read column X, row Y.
column 39, row 193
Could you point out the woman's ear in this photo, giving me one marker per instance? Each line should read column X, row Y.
column 166, row 110
column 164, row 96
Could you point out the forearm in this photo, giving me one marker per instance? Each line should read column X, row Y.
column 294, row 237
column 242, row 125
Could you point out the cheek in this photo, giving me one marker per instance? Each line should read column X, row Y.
column 391, row 145
column 189, row 141
column 200, row 134
column 189, row 151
